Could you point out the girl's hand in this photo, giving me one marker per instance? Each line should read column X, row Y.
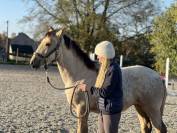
column 82, row 87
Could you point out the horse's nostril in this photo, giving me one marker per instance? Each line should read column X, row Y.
column 32, row 64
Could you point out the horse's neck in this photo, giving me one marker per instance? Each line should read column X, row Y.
column 71, row 68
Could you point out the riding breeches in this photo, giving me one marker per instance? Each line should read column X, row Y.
column 108, row 123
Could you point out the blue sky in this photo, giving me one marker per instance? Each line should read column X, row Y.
column 167, row 3
column 14, row 10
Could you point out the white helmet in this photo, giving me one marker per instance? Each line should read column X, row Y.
column 105, row 49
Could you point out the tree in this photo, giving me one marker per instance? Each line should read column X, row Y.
column 92, row 21
column 164, row 40
column 136, row 50
column 3, row 40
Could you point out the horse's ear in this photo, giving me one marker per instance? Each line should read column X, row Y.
column 50, row 29
column 60, row 32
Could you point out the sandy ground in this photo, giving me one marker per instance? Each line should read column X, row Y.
column 28, row 104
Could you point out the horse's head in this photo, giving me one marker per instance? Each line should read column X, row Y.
column 47, row 49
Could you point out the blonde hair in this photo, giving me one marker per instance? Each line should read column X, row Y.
column 102, row 73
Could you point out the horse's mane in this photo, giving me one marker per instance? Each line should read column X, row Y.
column 80, row 53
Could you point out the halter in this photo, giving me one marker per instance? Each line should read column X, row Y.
column 44, row 57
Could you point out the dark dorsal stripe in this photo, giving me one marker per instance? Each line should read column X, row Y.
column 70, row 44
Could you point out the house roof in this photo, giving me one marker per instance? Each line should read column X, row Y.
column 23, row 39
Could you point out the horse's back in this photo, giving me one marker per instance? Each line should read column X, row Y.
column 142, row 85
column 137, row 71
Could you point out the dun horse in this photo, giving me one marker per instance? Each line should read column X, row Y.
column 142, row 87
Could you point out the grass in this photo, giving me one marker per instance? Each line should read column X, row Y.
column 13, row 62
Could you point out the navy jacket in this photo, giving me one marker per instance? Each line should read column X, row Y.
column 110, row 96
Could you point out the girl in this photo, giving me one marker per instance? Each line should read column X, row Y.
column 108, row 89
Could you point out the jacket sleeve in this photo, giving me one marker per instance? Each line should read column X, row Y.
column 109, row 85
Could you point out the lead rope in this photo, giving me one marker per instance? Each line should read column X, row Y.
column 87, row 108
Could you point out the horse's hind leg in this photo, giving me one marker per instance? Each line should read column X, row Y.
column 145, row 123
column 163, row 128
column 157, row 121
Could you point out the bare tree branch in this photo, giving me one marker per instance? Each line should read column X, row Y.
column 76, row 12
column 123, row 7
column 105, row 11
column 76, row 9
column 46, row 10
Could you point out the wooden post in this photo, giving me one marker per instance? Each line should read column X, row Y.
column 17, row 56
column 7, row 43
column 121, row 60
column 167, row 72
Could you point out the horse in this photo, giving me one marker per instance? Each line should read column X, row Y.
column 142, row 86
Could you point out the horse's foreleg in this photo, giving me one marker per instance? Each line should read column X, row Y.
column 145, row 123
column 82, row 126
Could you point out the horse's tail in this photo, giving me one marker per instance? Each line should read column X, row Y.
column 163, row 126
column 164, row 99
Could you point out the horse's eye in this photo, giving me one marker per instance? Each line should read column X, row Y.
column 47, row 44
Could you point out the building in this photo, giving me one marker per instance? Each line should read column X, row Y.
column 21, row 47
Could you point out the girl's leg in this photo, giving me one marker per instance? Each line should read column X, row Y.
column 100, row 123
column 111, row 123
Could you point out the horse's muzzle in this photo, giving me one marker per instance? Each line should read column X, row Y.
column 35, row 62
column 34, row 65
